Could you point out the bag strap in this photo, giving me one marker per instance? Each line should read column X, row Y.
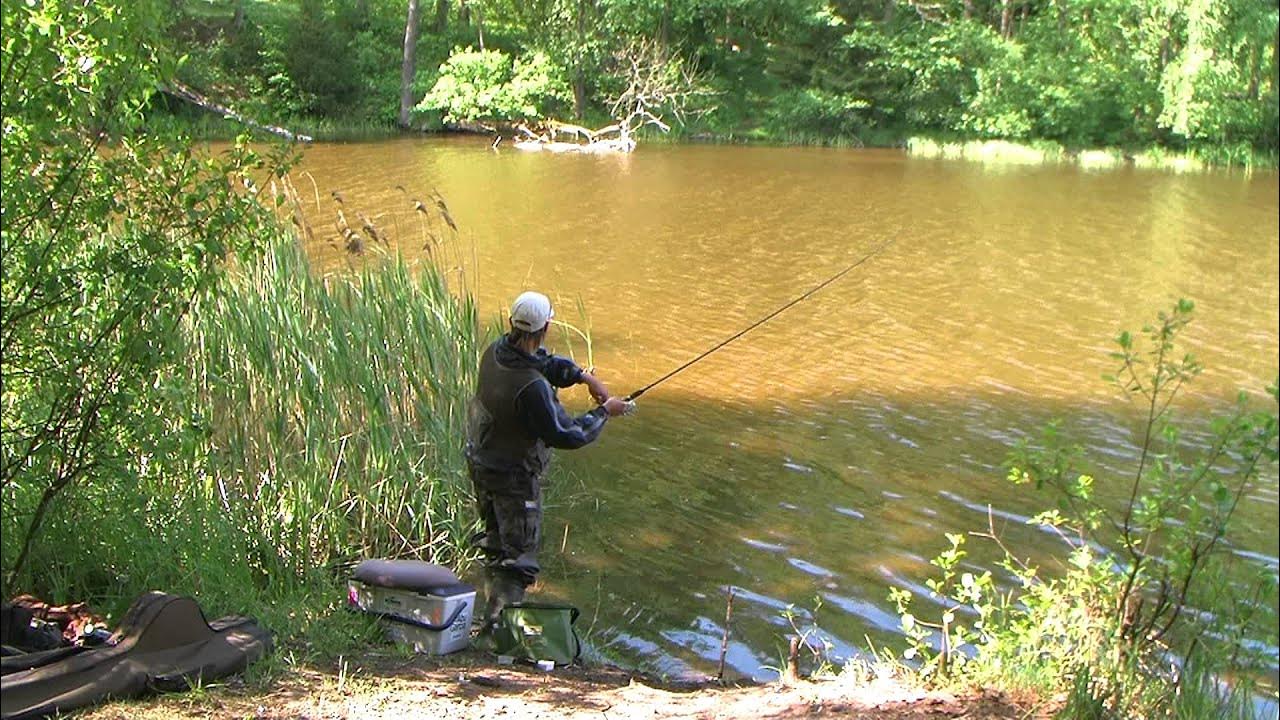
column 574, row 612
column 422, row 623
column 577, row 642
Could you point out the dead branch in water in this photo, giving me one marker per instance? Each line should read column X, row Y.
column 724, row 641
column 656, row 83
column 182, row 92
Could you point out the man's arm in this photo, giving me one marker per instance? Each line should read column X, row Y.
column 547, row 418
column 563, row 372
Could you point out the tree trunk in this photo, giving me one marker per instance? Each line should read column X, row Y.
column 442, row 17
column 1255, row 71
column 1275, row 63
column 579, row 95
column 664, row 29
column 579, row 76
column 968, row 9
column 237, row 20
column 1166, row 46
column 1006, row 19
column 408, row 67
column 182, row 92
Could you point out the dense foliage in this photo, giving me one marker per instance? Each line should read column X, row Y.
column 1197, row 74
column 109, row 235
column 185, row 405
column 487, row 84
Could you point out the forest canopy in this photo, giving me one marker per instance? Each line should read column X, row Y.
column 1183, row 74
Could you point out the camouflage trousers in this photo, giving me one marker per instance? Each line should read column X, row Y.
column 510, row 508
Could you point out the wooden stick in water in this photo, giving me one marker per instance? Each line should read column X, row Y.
column 792, row 674
column 724, row 642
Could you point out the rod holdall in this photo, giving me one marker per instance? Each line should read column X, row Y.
column 538, row 631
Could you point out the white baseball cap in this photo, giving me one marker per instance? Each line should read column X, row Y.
column 531, row 312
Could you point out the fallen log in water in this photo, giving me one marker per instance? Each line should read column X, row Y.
column 182, row 92
column 615, row 138
column 612, row 145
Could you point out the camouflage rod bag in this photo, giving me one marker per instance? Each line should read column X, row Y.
column 164, row 643
column 538, row 631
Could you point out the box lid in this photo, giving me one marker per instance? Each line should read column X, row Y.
column 416, row 575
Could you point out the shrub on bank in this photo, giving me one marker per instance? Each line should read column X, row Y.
column 1152, row 611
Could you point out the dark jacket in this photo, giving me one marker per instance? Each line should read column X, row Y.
column 516, row 416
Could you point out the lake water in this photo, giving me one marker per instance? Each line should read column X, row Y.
column 819, row 460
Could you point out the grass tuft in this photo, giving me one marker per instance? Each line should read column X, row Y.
column 336, row 408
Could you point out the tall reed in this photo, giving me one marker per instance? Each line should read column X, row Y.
column 335, row 410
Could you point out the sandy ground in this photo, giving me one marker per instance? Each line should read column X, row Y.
column 472, row 686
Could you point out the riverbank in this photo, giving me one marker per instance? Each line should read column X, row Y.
column 985, row 151
column 1003, row 152
column 470, row 686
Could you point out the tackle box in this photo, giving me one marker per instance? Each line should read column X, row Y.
column 421, row 604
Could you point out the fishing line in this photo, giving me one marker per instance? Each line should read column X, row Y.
column 761, row 321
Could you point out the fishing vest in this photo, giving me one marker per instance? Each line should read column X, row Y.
column 497, row 437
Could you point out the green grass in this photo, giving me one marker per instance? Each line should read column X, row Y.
column 322, row 419
column 1100, row 159
column 264, row 12
column 338, row 130
column 1173, row 162
column 994, row 152
column 336, row 408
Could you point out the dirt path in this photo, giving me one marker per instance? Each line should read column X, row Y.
column 471, row 687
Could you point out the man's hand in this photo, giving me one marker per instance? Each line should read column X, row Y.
column 599, row 392
column 617, row 406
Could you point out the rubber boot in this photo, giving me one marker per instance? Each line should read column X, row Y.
column 501, row 589
column 504, row 589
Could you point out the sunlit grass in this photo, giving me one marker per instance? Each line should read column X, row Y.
column 336, row 408
column 1099, row 159
column 1166, row 160
column 1001, row 152
column 996, row 152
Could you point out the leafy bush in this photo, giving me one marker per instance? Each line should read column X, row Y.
column 488, row 85
column 109, row 236
column 1151, row 607
column 814, row 111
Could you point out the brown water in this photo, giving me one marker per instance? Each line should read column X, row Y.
column 823, row 456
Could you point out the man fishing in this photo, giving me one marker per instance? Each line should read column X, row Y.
column 515, row 418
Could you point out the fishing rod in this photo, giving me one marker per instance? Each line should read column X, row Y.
column 760, row 322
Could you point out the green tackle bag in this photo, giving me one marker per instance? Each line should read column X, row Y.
column 538, row 631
